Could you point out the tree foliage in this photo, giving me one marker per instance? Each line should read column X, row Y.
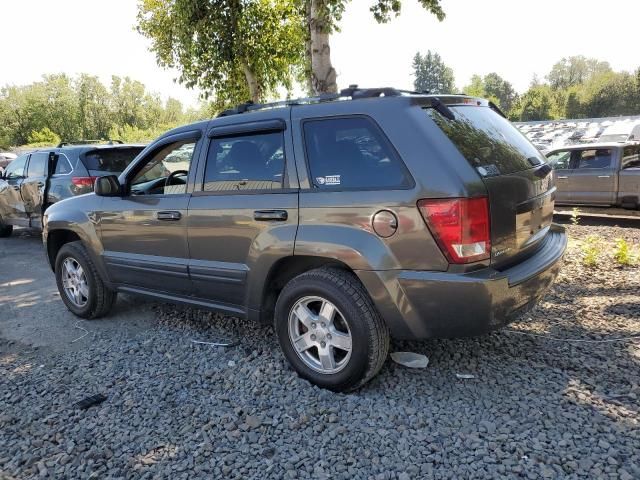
column 61, row 107
column 431, row 74
column 577, row 70
column 493, row 87
column 580, row 87
column 235, row 49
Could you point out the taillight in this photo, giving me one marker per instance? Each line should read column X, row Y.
column 83, row 181
column 460, row 226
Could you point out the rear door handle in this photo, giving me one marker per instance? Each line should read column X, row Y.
column 562, row 178
column 266, row 215
column 604, row 176
column 40, row 184
column 169, row 216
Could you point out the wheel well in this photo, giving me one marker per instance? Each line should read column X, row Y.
column 284, row 270
column 55, row 241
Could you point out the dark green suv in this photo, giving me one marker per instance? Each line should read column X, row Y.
column 345, row 219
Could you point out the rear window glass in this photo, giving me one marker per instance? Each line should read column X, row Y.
column 349, row 153
column 631, row 157
column 113, row 160
column 489, row 142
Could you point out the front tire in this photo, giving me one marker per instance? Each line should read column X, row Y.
column 80, row 286
column 329, row 330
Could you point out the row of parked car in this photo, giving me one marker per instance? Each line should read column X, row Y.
column 559, row 133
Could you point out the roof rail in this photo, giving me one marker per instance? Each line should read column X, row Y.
column 89, row 142
column 352, row 92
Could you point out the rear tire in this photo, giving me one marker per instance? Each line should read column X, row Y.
column 348, row 312
column 5, row 230
column 80, row 286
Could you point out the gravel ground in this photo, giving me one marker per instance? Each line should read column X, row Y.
column 538, row 407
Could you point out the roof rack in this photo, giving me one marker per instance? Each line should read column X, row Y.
column 352, row 92
column 89, row 142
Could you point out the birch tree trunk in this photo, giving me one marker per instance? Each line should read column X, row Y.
column 252, row 83
column 323, row 75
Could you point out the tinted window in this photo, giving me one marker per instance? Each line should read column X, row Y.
column 560, row 160
column 112, row 160
column 63, row 166
column 352, row 153
column 37, row 164
column 488, row 140
column 631, row 157
column 597, row 158
column 248, row 162
column 16, row 168
column 153, row 176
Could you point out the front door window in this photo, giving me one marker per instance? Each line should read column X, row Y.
column 166, row 171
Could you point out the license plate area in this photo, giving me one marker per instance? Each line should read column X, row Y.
column 533, row 218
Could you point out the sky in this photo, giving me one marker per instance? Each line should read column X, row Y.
column 513, row 38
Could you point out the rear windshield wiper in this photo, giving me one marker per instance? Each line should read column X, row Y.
column 441, row 108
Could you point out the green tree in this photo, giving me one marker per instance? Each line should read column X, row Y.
column 323, row 17
column 236, row 49
column 497, row 87
column 431, row 74
column 93, row 107
column 536, row 104
column 44, row 137
column 493, row 87
column 83, row 108
column 610, row 94
column 575, row 70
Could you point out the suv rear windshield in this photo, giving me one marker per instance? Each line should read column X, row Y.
column 112, row 160
column 489, row 142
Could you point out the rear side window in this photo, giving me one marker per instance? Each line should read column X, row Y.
column 489, row 142
column 112, row 160
column 63, row 166
column 631, row 157
column 596, row 158
column 37, row 164
column 347, row 153
column 247, row 162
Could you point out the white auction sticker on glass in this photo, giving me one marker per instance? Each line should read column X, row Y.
column 328, row 180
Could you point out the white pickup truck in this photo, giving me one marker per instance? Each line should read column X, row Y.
column 605, row 174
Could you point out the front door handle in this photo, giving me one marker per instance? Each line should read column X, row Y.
column 169, row 216
column 266, row 215
column 40, row 184
column 562, row 178
column 604, row 176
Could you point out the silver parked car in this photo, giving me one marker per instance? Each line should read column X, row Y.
column 605, row 174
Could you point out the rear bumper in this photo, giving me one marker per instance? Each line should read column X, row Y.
column 418, row 304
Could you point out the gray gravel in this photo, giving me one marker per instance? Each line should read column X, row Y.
column 537, row 407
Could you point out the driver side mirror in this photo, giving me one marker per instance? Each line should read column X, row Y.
column 107, row 186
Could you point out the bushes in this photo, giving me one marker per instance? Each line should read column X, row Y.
column 594, row 249
column 42, row 138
